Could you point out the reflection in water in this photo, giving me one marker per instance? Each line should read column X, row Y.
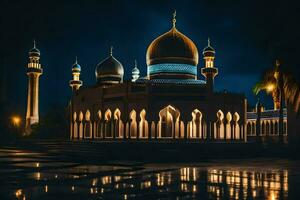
column 245, row 185
column 190, row 182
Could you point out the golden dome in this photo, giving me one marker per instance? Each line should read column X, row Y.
column 172, row 47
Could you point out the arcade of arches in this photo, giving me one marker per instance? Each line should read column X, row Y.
column 109, row 125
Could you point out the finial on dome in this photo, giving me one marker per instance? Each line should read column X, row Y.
column 76, row 61
column 34, row 44
column 208, row 42
column 111, row 50
column 135, row 63
column 174, row 19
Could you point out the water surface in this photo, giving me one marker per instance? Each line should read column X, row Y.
column 34, row 175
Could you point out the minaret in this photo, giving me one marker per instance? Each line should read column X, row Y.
column 34, row 70
column 135, row 72
column 209, row 71
column 75, row 83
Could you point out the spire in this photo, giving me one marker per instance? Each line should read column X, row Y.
column 135, row 63
column 76, row 61
column 34, row 44
column 208, row 42
column 174, row 19
column 111, row 50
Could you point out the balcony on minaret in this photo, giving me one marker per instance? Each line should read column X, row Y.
column 34, row 70
column 209, row 70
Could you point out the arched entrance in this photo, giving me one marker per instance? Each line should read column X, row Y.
column 107, row 124
column 196, row 129
column 133, row 124
column 168, row 122
column 228, row 126
column 118, row 125
column 219, row 126
column 99, row 125
column 143, row 125
column 88, row 125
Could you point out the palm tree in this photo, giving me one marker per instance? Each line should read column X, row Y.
column 283, row 88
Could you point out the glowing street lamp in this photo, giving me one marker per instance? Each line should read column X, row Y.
column 16, row 121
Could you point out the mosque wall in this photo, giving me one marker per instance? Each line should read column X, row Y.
column 125, row 112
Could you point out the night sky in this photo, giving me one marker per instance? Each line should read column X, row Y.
column 247, row 37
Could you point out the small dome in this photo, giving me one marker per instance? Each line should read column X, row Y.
column 135, row 70
column 172, row 47
column 110, row 70
column 76, row 67
column 208, row 51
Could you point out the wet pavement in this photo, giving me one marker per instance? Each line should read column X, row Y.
column 28, row 174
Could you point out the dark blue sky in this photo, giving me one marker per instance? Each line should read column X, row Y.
column 247, row 36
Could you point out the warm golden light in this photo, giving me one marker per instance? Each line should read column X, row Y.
column 270, row 87
column 18, row 193
column 16, row 121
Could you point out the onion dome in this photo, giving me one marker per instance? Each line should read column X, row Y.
column 172, row 53
column 34, row 51
column 76, row 67
column 109, row 71
column 208, row 51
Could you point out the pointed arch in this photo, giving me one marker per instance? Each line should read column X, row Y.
column 74, row 130
column 107, row 123
column 80, row 125
column 133, row 124
column 219, row 125
column 228, row 125
column 237, row 129
column 196, row 124
column 107, row 114
column 169, row 121
column 99, row 125
column 118, row 124
column 143, row 125
column 249, row 128
column 88, row 125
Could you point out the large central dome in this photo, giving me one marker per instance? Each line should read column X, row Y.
column 172, row 47
column 172, row 56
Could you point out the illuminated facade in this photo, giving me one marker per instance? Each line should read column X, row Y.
column 34, row 70
column 264, row 124
column 170, row 102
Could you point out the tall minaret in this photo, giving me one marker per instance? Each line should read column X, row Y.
column 209, row 71
column 75, row 83
column 135, row 72
column 34, row 70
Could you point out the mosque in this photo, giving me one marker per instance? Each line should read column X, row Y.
column 170, row 102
